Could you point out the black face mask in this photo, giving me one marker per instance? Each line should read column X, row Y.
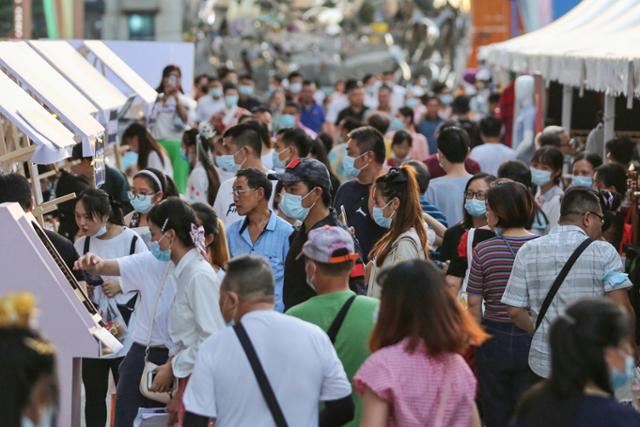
column 204, row 89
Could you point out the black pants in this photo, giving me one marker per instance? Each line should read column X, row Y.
column 128, row 397
column 95, row 376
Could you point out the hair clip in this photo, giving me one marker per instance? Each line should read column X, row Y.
column 198, row 238
column 570, row 320
column 164, row 224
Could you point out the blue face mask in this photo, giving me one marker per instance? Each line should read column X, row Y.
column 184, row 155
column 291, row 205
column 101, row 231
column 411, row 102
column 130, row 158
column 227, row 162
column 349, row 168
column 141, row 204
column 286, row 121
column 475, row 207
column 295, row 87
column 230, row 101
column 581, row 181
column 620, row 379
column 216, row 92
column 379, row 218
column 540, row 177
column 396, row 125
column 159, row 254
column 245, row 90
column 446, row 99
column 277, row 163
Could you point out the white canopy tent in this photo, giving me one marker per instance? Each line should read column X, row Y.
column 88, row 80
column 120, row 68
column 47, row 85
column 53, row 140
column 596, row 46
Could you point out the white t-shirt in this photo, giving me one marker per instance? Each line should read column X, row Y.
column 223, row 387
column 153, row 161
column 208, row 107
column 491, row 156
column 225, row 207
column 267, row 158
column 198, row 185
column 115, row 247
column 163, row 114
column 144, row 273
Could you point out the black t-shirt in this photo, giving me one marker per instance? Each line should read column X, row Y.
column 295, row 289
column 596, row 411
column 355, row 198
column 66, row 250
column 349, row 112
column 449, row 248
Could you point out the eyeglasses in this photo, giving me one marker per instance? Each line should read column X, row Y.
column 140, row 196
column 480, row 195
column 598, row 215
column 237, row 192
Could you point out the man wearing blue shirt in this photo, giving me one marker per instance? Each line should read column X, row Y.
column 311, row 114
column 431, row 121
column 261, row 232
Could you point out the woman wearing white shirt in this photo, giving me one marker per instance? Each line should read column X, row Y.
column 170, row 116
column 153, row 281
column 149, row 187
column 150, row 153
column 195, row 313
column 204, row 181
column 103, row 234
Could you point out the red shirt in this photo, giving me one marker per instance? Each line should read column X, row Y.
column 436, row 171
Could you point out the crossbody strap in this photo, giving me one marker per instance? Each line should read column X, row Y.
column 132, row 248
column 155, row 308
column 261, row 376
column 561, row 276
column 337, row 322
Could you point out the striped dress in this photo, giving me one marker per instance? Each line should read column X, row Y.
column 490, row 271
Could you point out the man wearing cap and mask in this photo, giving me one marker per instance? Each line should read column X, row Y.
column 330, row 254
column 306, row 198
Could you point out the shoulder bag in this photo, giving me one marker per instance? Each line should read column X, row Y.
column 150, row 367
column 337, row 322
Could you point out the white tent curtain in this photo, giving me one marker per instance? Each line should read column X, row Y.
column 596, row 45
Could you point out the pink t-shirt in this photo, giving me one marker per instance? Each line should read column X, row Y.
column 419, row 147
column 413, row 384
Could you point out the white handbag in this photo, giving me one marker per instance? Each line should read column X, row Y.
column 150, row 367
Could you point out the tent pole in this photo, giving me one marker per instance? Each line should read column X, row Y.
column 609, row 119
column 567, row 107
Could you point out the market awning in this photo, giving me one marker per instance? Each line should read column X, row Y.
column 53, row 140
column 87, row 79
column 120, row 68
column 596, row 45
column 46, row 84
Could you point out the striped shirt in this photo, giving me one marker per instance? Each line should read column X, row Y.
column 490, row 271
column 537, row 265
column 431, row 210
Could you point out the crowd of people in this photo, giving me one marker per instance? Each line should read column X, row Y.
column 376, row 255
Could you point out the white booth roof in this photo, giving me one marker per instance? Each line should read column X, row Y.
column 120, row 68
column 595, row 45
column 50, row 87
column 53, row 140
column 88, row 80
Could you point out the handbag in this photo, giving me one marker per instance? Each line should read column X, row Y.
column 150, row 367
